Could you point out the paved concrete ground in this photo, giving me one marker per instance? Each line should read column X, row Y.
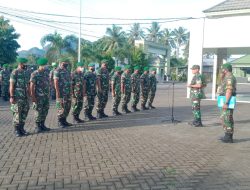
column 133, row 151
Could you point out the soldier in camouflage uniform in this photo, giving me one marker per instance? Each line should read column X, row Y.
column 19, row 93
column 52, row 86
column 135, row 84
column 152, row 88
column 62, row 82
column 144, row 88
column 40, row 88
column 5, row 82
column 228, row 89
column 91, row 85
column 78, row 90
column 116, row 90
column 102, row 94
column 197, row 85
column 126, row 89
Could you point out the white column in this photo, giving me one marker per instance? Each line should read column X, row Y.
column 214, row 77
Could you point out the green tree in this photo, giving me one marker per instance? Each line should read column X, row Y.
column 8, row 43
column 154, row 32
column 139, row 58
column 135, row 33
column 181, row 37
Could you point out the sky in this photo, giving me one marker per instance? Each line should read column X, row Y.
column 32, row 32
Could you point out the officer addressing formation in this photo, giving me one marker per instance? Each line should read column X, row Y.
column 77, row 90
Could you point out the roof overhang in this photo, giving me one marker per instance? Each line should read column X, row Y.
column 230, row 13
column 229, row 50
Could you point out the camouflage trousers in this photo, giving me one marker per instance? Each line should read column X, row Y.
column 89, row 102
column 196, row 108
column 102, row 99
column 63, row 107
column 5, row 91
column 116, row 101
column 41, row 108
column 151, row 97
column 144, row 97
column 135, row 98
column 77, row 104
column 20, row 111
column 227, row 120
column 126, row 98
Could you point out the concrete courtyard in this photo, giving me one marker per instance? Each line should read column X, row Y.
column 133, row 151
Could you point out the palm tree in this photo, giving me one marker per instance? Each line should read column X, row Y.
column 135, row 33
column 154, row 32
column 181, row 37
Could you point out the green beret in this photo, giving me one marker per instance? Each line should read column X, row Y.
column 54, row 64
column 80, row 64
column 91, row 65
column 153, row 69
column 22, row 60
column 42, row 61
column 195, row 67
column 136, row 68
column 5, row 66
column 146, row 69
column 227, row 66
column 118, row 68
column 104, row 61
column 64, row 59
column 127, row 67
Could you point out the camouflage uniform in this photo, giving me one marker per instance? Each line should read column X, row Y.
column 152, row 89
column 102, row 97
column 116, row 81
column 52, row 85
column 126, row 81
column 196, row 94
column 20, row 108
column 144, row 89
column 229, row 82
column 5, row 78
column 64, row 103
column 40, row 79
column 135, row 84
column 77, row 87
column 89, row 99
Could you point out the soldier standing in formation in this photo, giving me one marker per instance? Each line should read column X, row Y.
column 228, row 89
column 116, row 90
column 52, row 86
column 135, row 84
column 144, row 88
column 62, row 82
column 4, row 82
column 39, row 89
column 152, row 88
column 126, row 89
column 19, row 93
column 78, row 90
column 91, row 85
column 102, row 94
column 196, row 93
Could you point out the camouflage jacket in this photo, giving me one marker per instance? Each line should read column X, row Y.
column 4, row 77
column 64, row 81
column 229, row 82
column 21, row 83
column 90, row 79
column 135, row 82
column 126, row 81
column 144, row 82
column 116, row 81
column 103, row 76
column 152, row 82
column 198, row 92
column 77, row 84
column 41, row 82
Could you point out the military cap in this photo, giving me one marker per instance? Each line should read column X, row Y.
column 64, row 59
column 22, row 60
column 136, row 68
column 80, row 64
column 104, row 61
column 227, row 66
column 146, row 69
column 91, row 65
column 195, row 67
column 127, row 67
column 42, row 61
column 153, row 69
column 5, row 66
column 54, row 64
column 118, row 68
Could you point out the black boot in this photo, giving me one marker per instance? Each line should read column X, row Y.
column 66, row 123
column 24, row 133
column 38, row 128
column 198, row 123
column 17, row 130
column 86, row 115
column 118, row 113
column 192, row 123
column 103, row 114
column 61, row 123
column 123, row 109
column 77, row 119
column 228, row 138
column 127, row 110
column 143, row 107
column 150, row 106
column 99, row 115
column 136, row 109
column 44, row 128
column 133, row 108
column 92, row 117
column 114, row 112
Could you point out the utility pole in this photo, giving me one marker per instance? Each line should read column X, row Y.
column 80, row 28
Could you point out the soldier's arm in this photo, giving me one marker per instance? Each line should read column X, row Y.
column 12, row 87
column 32, row 91
column 98, row 82
column 84, row 88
